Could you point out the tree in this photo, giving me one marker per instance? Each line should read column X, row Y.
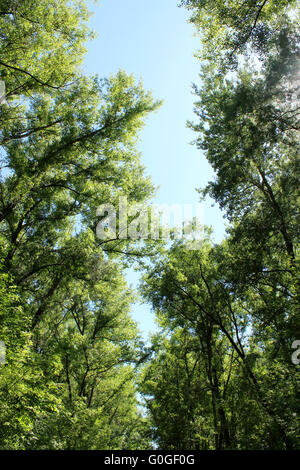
column 194, row 292
column 231, row 31
column 42, row 44
column 177, row 393
column 248, row 130
column 69, row 145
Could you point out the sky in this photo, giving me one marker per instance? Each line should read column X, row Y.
column 153, row 40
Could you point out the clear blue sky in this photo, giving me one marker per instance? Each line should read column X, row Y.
column 152, row 40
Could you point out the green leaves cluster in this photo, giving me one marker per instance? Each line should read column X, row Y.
column 231, row 29
column 68, row 145
column 221, row 376
column 218, row 374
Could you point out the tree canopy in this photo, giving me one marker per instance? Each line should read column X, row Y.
column 219, row 373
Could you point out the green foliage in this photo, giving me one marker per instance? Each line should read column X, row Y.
column 234, row 29
column 230, row 312
column 217, row 350
column 68, row 146
column 219, row 374
column 42, row 43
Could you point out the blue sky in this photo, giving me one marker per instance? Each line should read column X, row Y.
column 152, row 40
